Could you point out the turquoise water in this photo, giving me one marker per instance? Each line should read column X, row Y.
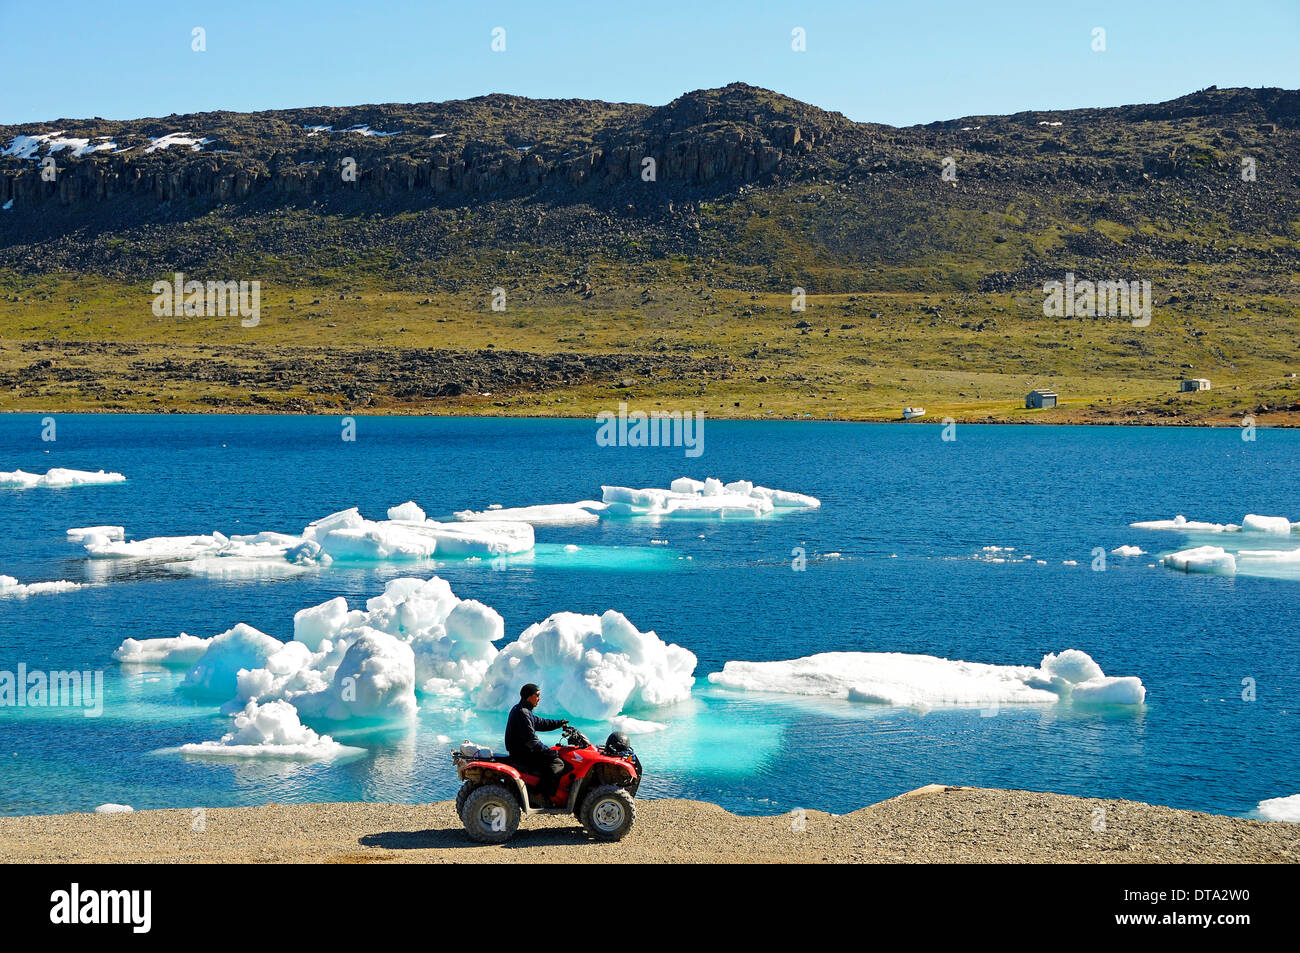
column 895, row 563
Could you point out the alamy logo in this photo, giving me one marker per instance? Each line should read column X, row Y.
column 74, row 905
column 212, row 299
column 1101, row 299
column 40, row 689
column 658, row 428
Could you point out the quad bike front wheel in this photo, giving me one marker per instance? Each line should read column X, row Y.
column 465, row 790
column 491, row 814
column 608, row 812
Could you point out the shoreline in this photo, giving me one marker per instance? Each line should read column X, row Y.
column 933, row 824
column 983, row 421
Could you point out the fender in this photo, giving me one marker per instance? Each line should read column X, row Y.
column 575, row 792
column 505, row 771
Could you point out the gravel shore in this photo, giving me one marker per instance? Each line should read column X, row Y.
column 932, row 824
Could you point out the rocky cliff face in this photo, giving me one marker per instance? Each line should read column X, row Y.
column 493, row 145
column 572, row 173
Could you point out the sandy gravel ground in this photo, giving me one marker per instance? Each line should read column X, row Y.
column 934, row 824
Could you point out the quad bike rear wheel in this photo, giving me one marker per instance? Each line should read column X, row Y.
column 491, row 814
column 465, row 790
column 608, row 812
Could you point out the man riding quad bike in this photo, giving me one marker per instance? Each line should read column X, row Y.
column 595, row 784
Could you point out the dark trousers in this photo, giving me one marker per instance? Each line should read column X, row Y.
column 549, row 768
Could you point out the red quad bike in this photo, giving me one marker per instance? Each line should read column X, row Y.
column 598, row 789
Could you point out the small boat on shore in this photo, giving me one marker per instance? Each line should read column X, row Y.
column 910, row 412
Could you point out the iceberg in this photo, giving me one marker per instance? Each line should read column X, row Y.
column 56, row 478
column 343, row 664
column 272, row 730
column 12, row 588
column 592, row 667
column 216, row 671
column 374, row 681
column 369, row 668
column 1281, row 809
column 1127, row 550
column 906, row 680
column 343, row 536
column 685, row 497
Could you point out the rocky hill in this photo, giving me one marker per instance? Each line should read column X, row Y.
column 739, row 173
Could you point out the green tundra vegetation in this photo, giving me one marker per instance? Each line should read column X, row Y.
column 676, row 291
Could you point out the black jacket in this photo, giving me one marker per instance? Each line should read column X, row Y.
column 521, row 732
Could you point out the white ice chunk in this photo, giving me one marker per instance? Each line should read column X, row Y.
column 472, row 621
column 57, row 478
column 895, row 678
column 325, row 621
column 79, row 534
column 1209, row 559
column 1127, row 550
column 1276, row 525
column 216, row 672
column 1183, row 524
column 12, row 588
column 375, row 681
column 545, row 514
column 272, row 730
column 182, row 650
column 1281, row 809
column 636, row 726
column 114, row 809
column 345, row 535
column 686, row 497
column 408, row 512
column 591, row 666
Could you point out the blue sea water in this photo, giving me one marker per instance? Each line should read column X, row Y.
column 906, row 512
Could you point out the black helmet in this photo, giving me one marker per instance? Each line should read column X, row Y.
column 618, row 742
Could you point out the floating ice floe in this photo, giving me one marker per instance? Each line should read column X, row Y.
column 895, row 678
column 592, row 667
column 272, row 730
column 1229, row 558
column 1252, row 523
column 13, row 589
column 57, row 478
column 346, row 535
column 685, row 497
column 552, row 514
column 1251, row 562
column 1209, row 559
column 1127, row 550
column 1281, row 809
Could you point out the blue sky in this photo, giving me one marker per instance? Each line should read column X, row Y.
column 898, row 62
